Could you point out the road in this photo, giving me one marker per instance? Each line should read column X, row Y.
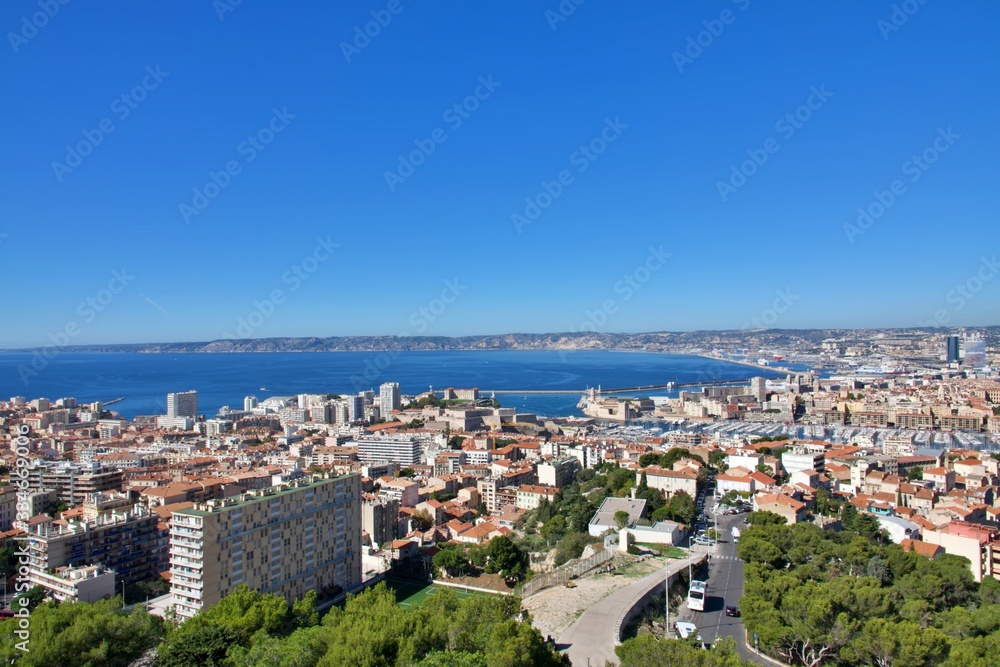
column 725, row 587
column 591, row 640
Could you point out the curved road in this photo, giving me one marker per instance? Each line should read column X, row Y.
column 591, row 640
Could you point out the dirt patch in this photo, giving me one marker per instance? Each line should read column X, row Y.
column 494, row 582
column 554, row 609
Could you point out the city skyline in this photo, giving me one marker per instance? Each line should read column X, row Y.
column 374, row 170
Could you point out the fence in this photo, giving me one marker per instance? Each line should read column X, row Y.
column 564, row 573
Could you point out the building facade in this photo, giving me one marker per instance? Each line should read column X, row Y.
column 287, row 540
column 183, row 404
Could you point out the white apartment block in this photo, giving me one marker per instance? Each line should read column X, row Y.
column 402, row 449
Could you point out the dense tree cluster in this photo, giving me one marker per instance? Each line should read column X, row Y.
column 649, row 651
column 251, row 628
column 98, row 634
column 853, row 598
column 501, row 556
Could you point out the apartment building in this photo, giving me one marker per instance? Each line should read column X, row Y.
column 287, row 540
column 530, row 496
column 124, row 540
column 380, row 519
column 914, row 421
column 83, row 584
column 800, row 459
column 402, row 449
column 74, row 482
column 669, row 482
column 558, row 473
column 182, row 404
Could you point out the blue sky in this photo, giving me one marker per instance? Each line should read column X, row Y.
column 207, row 86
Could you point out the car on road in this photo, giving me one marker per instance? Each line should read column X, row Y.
column 704, row 541
column 732, row 610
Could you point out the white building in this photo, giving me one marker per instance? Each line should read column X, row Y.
column 388, row 398
column 402, row 449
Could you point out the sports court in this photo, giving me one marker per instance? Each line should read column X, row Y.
column 412, row 593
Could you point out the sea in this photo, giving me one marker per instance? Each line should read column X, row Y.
column 221, row 379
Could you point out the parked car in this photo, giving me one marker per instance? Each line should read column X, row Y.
column 732, row 610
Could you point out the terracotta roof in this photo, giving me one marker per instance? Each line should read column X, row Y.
column 925, row 549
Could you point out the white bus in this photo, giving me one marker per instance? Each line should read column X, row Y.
column 696, row 595
column 736, row 534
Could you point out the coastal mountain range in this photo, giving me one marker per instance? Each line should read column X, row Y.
column 802, row 340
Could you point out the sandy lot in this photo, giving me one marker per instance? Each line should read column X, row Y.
column 555, row 609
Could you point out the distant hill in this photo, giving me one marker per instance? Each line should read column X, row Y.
column 664, row 341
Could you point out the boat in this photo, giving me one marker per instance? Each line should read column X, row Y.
column 263, row 389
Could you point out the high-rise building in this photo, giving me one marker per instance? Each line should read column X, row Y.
column 355, row 408
column 952, row 349
column 389, row 398
column 287, row 540
column 380, row 519
column 249, row 403
column 183, row 404
column 758, row 387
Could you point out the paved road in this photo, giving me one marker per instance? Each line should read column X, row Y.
column 591, row 640
column 725, row 587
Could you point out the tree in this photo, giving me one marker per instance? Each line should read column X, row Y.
column 885, row 643
column 58, row 507
column 422, row 520
column 8, row 562
column 31, row 598
column 759, row 519
column 571, row 546
column 506, row 559
column 621, row 518
column 407, row 472
column 681, row 508
column 82, row 634
column 452, row 560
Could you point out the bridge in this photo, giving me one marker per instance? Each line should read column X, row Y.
column 618, row 390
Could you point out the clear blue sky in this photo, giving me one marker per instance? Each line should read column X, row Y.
column 656, row 184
